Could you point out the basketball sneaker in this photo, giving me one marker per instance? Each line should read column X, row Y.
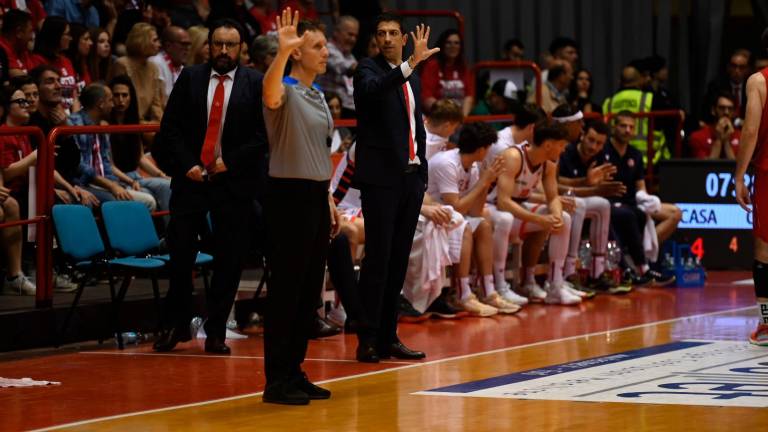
column 760, row 335
column 497, row 301
column 511, row 296
column 559, row 294
column 533, row 291
column 475, row 307
column 573, row 284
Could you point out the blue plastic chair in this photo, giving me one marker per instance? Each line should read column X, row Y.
column 131, row 232
column 80, row 242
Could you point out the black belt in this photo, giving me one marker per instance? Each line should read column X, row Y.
column 411, row 168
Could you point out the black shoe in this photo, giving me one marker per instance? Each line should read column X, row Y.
column 441, row 309
column 406, row 313
column 285, row 392
column 400, row 351
column 216, row 346
column 313, row 391
column 659, row 279
column 367, row 353
column 170, row 338
column 322, row 328
column 575, row 281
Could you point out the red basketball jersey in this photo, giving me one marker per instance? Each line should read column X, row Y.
column 760, row 158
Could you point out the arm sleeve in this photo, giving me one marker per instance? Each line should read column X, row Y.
column 177, row 159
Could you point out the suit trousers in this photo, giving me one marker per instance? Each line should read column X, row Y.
column 230, row 221
column 297, row 219
column 391, row 214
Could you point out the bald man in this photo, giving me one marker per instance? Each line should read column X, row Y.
column 170, row 60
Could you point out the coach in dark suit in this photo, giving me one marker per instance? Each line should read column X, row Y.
column 391, row 173
column 213, row 143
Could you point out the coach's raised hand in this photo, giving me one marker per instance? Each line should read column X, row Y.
column 421, row 51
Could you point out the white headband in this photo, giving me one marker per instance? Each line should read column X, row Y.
column 571, row 118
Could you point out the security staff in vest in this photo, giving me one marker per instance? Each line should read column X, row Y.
column 632, row 98
column 391, row 173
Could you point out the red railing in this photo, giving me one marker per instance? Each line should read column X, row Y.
column 529, row 65
column 436, row 13
column 43, row 202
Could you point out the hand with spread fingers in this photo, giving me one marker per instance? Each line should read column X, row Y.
column 421, row 51
column 288, row 38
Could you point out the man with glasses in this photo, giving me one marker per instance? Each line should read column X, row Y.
column 170, row 60
column 719, row 140
column 213, row 144
column 734, row 82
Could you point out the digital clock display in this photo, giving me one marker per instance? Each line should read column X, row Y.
column 716, row 227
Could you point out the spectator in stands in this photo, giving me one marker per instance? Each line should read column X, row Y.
column 455, row 180
column 631, row 97
column 50, row 45
column 198, row 50
column 446, row 116
column 734, row 82
column 78, row 52
column 263, row 13
column 51, row 113
column 97, row 173
column 580, row 93
column 141, row 45
column 17, row 33
column 527, row 166
column 719, row 140
column 341, row 63
column 342, row 138
column 502, row 98
column 555, row 88
column 589, row 183
column 263, row 51
column 26, row 84
column 33, row 7
column 128, row 150
column 238, row 11
column 170, row 60
column 100, row 58
column 514, row 50
column 76, row 11
column 566, row 49
column 629, row 220
column 447, row 75
column 373, row 48
column 16, row 157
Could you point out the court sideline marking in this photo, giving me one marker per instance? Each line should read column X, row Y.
column 223, row 357
column 398, row 368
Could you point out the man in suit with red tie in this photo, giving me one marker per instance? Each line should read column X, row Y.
column 213, row 143
column 391, row 173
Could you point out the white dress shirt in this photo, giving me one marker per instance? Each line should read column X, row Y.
column 212, row 83
column 407, row 71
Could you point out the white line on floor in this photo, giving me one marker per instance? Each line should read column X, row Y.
column 223, row 357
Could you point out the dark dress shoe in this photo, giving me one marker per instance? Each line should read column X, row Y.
column 170, row 338
column 323, row 328
column 285, row 392
column 313, row 391
column 367, row 354
column 216, row 346
column 400, row 351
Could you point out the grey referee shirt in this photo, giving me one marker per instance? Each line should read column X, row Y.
column 299, row 133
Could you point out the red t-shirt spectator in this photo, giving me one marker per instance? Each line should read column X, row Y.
column 34, row 7
column 701, row 142
column 67, row 76
column 12, row 149
column 21, row 61
column 450, row 82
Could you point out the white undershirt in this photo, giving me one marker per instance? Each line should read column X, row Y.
column 212, row 83
column 405, row 68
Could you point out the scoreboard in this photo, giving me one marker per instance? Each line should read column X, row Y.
column 717, row 228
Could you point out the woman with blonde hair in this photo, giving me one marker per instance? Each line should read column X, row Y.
column 141, row 44
column 198, row 50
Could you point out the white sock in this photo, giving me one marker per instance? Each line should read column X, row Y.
column 530, row 275
column 499, row 279
column 644, row 268
column 598, row 266
column 488, row 285
column 466, row 291
column 570, row 265
column 763, row 312
column 556, row 272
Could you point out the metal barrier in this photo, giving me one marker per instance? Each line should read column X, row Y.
column 43, row 198
column 436, row 13
column 513, row 65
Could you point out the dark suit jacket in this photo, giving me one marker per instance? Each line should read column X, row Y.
column 381, row 156
column 243, row 141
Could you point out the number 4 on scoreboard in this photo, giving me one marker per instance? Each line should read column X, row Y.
column 734, row 245
column 697, row 248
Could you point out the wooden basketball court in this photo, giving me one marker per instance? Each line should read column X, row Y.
column 135, row 389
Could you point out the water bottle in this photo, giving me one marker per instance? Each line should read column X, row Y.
column 613, row 258
column 130, row 338
column 585, row 260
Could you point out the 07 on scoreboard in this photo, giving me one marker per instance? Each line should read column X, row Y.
column 716, row 227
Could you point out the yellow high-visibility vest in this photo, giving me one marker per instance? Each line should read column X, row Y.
column 638, row 101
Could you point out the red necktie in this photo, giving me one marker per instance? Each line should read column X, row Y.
column 411, row 153
column 208, row 155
